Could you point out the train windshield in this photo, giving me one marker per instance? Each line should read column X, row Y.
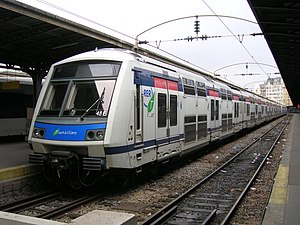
column 74, row 94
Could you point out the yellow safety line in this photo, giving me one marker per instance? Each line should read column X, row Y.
column 18, row 171
column 279, row 193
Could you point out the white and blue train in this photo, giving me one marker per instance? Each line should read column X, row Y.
column 112, row 110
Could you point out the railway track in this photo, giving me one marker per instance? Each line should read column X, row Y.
column 48, row 205
column 214, row 199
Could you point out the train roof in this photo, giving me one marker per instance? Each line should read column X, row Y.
column 118, row 54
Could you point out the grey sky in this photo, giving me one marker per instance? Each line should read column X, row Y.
column 132, row 17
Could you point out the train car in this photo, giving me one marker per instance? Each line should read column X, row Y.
column 226, row 108
column 16, row 105
column 114, row 111
column 237, row 114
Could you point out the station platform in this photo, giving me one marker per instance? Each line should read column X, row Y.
column 284, row 203
column 14, row 161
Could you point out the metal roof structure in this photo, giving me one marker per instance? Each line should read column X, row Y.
column 34, row 39
column 280, row 22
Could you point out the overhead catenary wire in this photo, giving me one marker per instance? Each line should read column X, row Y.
column 236, row 38
column 203, row 37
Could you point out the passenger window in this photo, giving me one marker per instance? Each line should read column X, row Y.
column 189, row 128
column 173, row 110
column 188, row 86
column 212, row 111
column 217, row 110
column 162, row 110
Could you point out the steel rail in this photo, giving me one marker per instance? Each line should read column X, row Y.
column 163, row 214
column 233, row 208
column 29, row 202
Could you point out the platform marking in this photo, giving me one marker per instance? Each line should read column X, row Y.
column 279, row 193
column 18, row 171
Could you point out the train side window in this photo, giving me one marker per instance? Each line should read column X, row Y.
column 235, row 110
column 217, row 109
column 188, row 86
column 202, row 126
column 162, row 110
column 188, row 90
column 248, row 109
column 173, row 110
column 138, row 107
column 223, row 94
column 189, row 128
column 212, row 110
column 229, row 95
column 201, row 91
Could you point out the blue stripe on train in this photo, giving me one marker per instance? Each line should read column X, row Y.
column 128, row 148
column 63, row 132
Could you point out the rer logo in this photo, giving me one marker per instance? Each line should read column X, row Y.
column 150, row 94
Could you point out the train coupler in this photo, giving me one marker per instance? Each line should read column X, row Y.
column 61, row 160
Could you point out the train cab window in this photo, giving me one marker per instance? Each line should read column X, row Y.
column 173, row 110
column 81, row 69
column 162, row 110
column 53, row 103
column 77, row 98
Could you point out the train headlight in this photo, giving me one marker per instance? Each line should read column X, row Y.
column 38, row 132
column 95, row 135
column 100, row 135
column 90, row 135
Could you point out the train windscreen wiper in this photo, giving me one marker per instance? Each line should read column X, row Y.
column 99, row 101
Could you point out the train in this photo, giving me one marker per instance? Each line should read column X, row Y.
column 114, row 111
column 16, row 94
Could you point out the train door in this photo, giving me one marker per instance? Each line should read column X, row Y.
column 215, row 110
column 215, row 123
column 167, row 110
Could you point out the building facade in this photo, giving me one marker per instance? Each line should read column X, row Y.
column 274, row 89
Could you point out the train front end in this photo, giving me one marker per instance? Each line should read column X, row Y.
column 70, row 120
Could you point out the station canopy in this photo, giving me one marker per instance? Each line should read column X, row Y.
column 33, row 39
column 279, row 20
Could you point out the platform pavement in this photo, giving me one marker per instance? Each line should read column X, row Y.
column 284, row 203
column 14, row 160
